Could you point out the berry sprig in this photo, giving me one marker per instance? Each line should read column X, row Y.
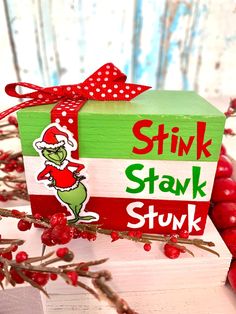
column 37, row 272
column 13, row 188
column 10, row 162
column 223, row 209
column 231, row 110
column 57, row 230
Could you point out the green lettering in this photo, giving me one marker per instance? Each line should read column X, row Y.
column 167, row 185
column 197, row 188
column 151, row 179
column 181, row 188
column 129, row 173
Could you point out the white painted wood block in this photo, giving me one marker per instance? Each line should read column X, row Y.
column 136, row 273
column 116, row 181
column 131, row 265
column 217, row 300
column 127, row 259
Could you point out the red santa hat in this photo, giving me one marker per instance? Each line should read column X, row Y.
column 49, row 139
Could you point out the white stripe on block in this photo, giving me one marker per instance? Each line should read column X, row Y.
column 106, row 177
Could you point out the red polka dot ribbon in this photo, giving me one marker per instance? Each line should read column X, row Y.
column 107, row 83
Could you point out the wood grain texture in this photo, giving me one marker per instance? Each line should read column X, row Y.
column 107, row 178
column 105, row 128
column 204, row 300
column 158, row 288
column 127, row 258
column 170, row 44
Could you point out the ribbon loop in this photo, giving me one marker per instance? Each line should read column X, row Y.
column 107, row 83
column 10, row 89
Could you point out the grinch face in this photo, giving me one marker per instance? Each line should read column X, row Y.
column 55, row 155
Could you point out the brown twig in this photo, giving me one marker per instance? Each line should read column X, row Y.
column 120, row 304
column 145, row 238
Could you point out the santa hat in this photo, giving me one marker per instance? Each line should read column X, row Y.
column 49, row 139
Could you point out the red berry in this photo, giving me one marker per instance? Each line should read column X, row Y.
column 3, row 198
column 17, row 213
column 7, row 255
column 61, row 234
column 147, row 247
column 12, row 120
column 58, row 219
column 40, row 278
column 233, row 103
column 2, row 276
column 229, row 236
column 224, row 190
column 84, row 234
column 14, row 248
column 20, row 168
column 228, row 132
column 15, row 276
column 53, row 276
column 91, row 236
column 224, row 167
column 21, row 186
column 76, row 233
column 73, row 276
column 232, row 275
column 21, row 256
column 28, row 273
column 46, row 237
column 61, row 252
column 184, row 234
column 3, row 155
column 24, row 225
column 171, row 251
column 115, row 236
column 223, row 150
column 8, row 167
column 174, row 239
column 83, row 266
column 138, row 234
column 131, row 234
column 223, row 215
column 38, row 217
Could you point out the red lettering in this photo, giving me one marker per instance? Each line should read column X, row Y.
column 183, row 147
column 140, row 136
column 176, row 144
column 174, row 140
column 201, row 146
column 160, row 137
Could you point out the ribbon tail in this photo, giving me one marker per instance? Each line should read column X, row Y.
column 25, row 104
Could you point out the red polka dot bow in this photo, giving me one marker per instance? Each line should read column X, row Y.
column 107, row 83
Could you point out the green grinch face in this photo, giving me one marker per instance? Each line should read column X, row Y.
column 55, row 155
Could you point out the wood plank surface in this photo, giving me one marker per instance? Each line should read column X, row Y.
column 106, row 129
column 107, row 178
column 218, row 300
column 166, row 44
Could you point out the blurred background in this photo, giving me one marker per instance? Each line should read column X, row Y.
column 168, row 44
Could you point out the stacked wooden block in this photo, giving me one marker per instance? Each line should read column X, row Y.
column 150, row 162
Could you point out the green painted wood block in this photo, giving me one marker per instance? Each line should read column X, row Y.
column 106, row 128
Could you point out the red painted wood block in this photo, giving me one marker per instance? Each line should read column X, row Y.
column 155, row 216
